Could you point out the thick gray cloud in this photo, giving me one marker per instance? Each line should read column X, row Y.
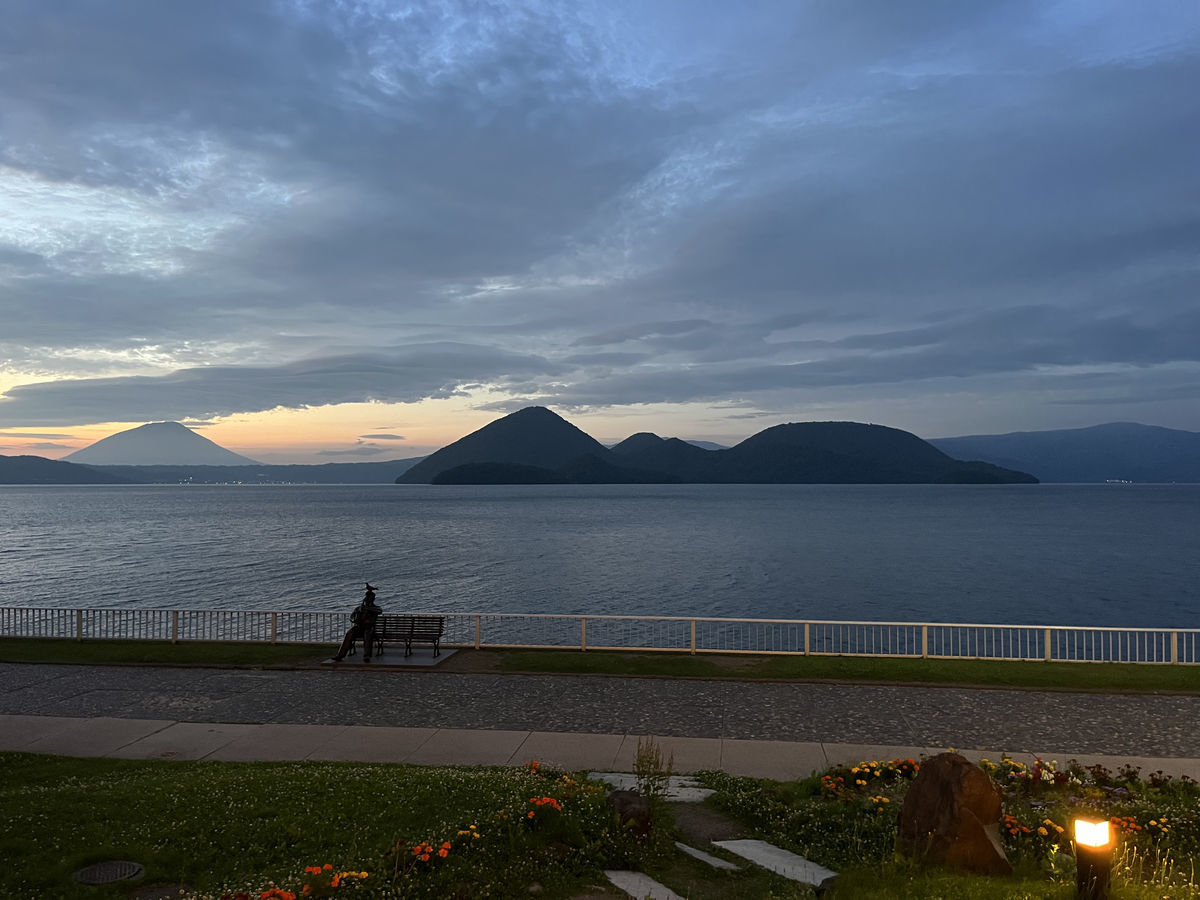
column 403, row 375
column 228, row 207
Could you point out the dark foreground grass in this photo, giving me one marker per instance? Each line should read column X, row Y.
column 222, row 828
column 1120, row 677
column 229, row 827
column 219, row 827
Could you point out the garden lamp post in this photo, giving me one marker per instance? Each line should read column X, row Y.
column 1093, row 859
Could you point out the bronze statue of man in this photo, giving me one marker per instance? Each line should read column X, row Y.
column 362, row 626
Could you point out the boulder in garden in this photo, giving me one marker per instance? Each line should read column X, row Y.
column 951, row 817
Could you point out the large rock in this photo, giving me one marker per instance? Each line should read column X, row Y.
column 951, row 816
column 632, row 810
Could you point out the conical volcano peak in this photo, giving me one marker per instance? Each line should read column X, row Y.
column 158, row 444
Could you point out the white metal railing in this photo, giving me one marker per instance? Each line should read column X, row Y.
column 678, row 634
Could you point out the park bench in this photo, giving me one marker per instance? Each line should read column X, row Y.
column 396, row 629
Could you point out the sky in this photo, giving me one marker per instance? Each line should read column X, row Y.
column 354, row 230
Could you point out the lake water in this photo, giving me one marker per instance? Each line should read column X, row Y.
column 1025, row 554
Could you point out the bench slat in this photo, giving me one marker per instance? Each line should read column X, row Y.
column 408, row 628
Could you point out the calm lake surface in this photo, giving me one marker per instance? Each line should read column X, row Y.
column 1053, row 554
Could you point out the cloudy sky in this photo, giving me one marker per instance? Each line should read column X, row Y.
column 360, row 229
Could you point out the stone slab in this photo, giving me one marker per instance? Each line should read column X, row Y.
column 469, row 747
column 372, row 743
column 680, row 788
column 690, row 754
column 783, row 760
column 781, row 862
column 97, row 737
column 182, row 740
column 715, row 861
column 571, row 751
column 640, row 885
column 276, row 742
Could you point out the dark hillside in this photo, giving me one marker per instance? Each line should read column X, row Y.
column 834, row 453
column 1123, row 451
column 39, row 470
column 533, row 436
column 323, row 473
column 803, row 453
column 686, row 461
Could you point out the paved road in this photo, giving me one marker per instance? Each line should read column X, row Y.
column 1139, row 725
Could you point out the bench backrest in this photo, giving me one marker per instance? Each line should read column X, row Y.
column 401, row 626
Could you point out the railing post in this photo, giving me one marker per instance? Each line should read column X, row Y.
column 274, row 628
column 924, row 642
column 1174, row 648
column 1047, row 644
column 478, row 630
column 174, row 626
column 693, row 637
column 583, row 633
column 806, row 639
column 79, row 624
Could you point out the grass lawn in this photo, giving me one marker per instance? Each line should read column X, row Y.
column 230, row 827
column 1121, row 677
column 216, row 653
column 1074, row 676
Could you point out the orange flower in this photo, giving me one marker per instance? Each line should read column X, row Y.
column 443, row 853
column 446, row 845
column 424, row 857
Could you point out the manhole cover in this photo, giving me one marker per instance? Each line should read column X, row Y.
column 108, row 872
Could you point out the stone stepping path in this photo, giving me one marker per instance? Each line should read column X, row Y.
column 680, row 788
column 715, row 861
column 782, row 862
column 640, row 885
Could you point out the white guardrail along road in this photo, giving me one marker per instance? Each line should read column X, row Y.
column 676, row 634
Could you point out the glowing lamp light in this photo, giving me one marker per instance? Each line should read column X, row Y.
column 1092, row 834
column 1093, row 859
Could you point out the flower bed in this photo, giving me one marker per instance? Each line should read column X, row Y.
column 846, row 816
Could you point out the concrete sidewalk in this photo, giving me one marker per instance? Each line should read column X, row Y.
column 167, row 739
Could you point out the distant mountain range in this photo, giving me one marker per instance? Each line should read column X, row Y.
column 157, row 444
column 535, row 445
column 38, row 470
column 1119, row 451
column 182, row 456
